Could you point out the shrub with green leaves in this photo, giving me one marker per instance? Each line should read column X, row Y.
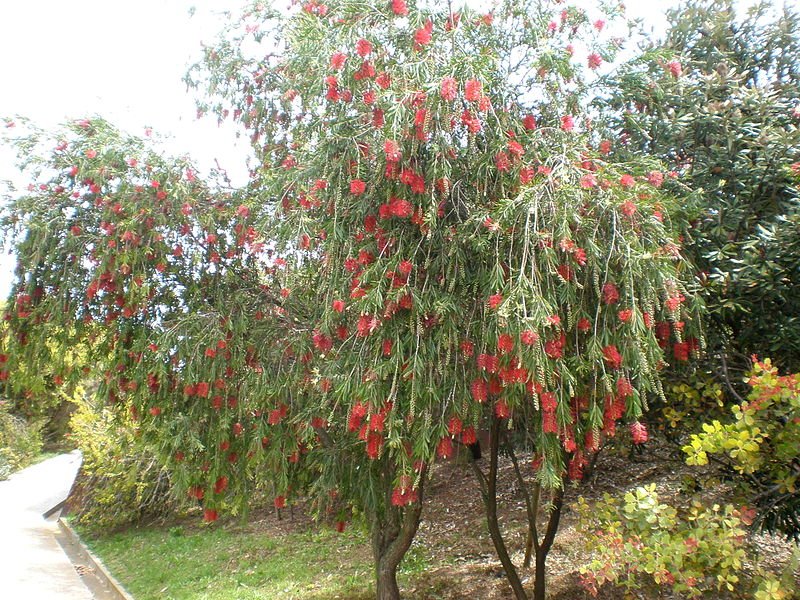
column 20, row 441
column 761, row 447
column 640, row 541
column 120, row 481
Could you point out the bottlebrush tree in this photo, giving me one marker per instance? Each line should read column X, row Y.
column 433, row 243
column 475, row 260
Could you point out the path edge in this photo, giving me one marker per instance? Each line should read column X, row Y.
column 100, row 569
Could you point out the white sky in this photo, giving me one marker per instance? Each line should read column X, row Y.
column 124, row 60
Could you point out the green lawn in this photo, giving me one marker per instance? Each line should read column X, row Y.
column 242, row 563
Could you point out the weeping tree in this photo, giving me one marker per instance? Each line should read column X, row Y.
column 475, row 260
column 433, row 243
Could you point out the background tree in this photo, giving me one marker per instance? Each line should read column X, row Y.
column 718, row 99
column 432, row 243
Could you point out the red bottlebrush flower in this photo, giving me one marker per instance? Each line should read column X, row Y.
column 211, row 353
column 625, row 315
column 399, row 8
column 468, row 436
column 567, row 123
column 473, row 90
column 599, row 24
column 564, row 272
column 392, row 150
column 505, row 343
column 575, row 468
column 196, row 492
column 495, row 300
column 423, row 35
column 555, row 348
column 387, row 347
column 405, row 267
column 455, row 426
column 357, row 187
column 502, row 162
column 501, row 409
column 588, row 181
column 377, row 117
column 548, row 401
column 624, row 388
column 495, row 387
column 366, row 325
column 526, row 175
column 639, row 432
column 529, row 337
column 627, row 181
column 383, row 81
column 202, row 389
column 363, row 47
column 467, row 348
column 340, row 526
column 610, row 293
column 673, row 302
column 338, row 305
column 591, row 441
column 280, row 502
column 237, row 429
column 374, row 445
column 337, row 60
column 444, row 449
column 628, row 208
column 612, row 356
column 404, row 495
column 480, row 390
column 516, row 149
column 675, row 68
column 221, row 485
column 155, row 411
column 655, row 178
column 484, row 103
column 549, row 422
column 210, row 515
column 321, row 342
column 529, row 122
column 594, row 60
column 401, row 208
column 681, row 351
column 448, row 89
column 605, row 147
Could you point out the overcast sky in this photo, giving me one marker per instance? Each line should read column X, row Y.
column 124, row 60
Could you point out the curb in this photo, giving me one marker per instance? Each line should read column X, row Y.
column 100, row 569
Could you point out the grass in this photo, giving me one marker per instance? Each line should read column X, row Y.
column 233, row 562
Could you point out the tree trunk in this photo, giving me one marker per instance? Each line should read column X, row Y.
column 392, row 536
column 539, row 581
column 490, row 500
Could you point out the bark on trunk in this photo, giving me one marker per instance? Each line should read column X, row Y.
column 490, row 500
column 391, row 538
column 543, row 549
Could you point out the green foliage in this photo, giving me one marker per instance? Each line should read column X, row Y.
column 718, row 101
column 691, row 398
column 20, row 441
column 761, row 447
column 641, row 541
column 121, row 481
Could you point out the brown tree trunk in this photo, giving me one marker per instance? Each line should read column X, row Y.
column 542, row 550
column 489, row 493
column 392, row 536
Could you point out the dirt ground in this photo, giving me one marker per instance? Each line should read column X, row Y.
column 453, row 531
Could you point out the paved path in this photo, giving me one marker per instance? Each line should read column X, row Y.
column 33, row 565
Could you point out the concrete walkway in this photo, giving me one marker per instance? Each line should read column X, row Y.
column 33, row 566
